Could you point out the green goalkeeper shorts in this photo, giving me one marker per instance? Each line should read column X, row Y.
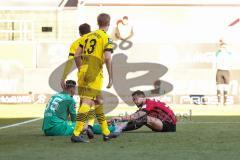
column 97, row 128
column 61, row 129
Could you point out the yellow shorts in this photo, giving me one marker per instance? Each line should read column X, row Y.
column 89, row 85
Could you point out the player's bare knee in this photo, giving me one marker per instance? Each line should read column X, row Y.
column 154, row 122
column 99, row 100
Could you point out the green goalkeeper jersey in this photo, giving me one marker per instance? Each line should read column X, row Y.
column 58, row 109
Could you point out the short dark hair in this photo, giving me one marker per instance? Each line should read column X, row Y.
column 103, row 19
column 84, row 28
column 70, row 84
column 138, row 93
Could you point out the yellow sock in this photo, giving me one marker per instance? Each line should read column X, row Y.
column 81, row 119
column 91, row 117
column 102, row 120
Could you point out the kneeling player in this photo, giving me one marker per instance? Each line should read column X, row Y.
column 59, row 108
column 153, row 114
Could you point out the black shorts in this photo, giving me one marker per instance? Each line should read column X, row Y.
column 167, row 127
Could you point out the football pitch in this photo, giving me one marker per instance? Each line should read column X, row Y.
column 201, row 138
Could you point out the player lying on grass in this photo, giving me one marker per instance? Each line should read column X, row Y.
column 153, row 114
column 58, row 109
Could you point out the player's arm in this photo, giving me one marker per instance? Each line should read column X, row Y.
column 67, row 69
column 108, row 50
column 68, row 66
column 108, row 61
column 77, row 57
column 69, row 63
column 72, row 111
column 131, row 117
column 78, row 53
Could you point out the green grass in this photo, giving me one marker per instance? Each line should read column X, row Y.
column 9, row 121
column 192, row 141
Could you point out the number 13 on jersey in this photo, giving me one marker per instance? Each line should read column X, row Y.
column 89, row 46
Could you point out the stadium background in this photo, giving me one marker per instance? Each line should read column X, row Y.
column 183, row 37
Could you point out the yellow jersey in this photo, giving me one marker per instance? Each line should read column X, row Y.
column 69, row 63
column 94, row 44
column 74, row 47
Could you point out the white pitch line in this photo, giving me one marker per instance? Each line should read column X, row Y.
column 209, row 122
column 21, row 123
column 36, row 119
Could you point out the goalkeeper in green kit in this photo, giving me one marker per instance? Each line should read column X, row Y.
column 60, row 114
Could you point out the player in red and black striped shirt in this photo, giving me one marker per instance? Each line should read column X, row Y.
column 153, row 114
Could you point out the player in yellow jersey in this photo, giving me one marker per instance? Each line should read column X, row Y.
column 83, row 30
column 94, row 50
